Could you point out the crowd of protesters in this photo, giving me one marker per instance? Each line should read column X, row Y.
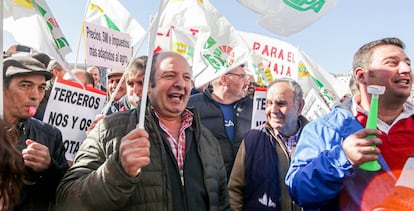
column 197, row 149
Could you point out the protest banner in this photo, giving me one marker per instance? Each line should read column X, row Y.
column 314, row 106
column 105, row 47
column 259, row 107
column 72, row 109
column 274, row 58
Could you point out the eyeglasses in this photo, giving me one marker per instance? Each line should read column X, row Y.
column 241, row 76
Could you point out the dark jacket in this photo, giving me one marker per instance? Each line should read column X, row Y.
column 212, row 117
column 97, row 181
column 257, row 179
column 39, row 194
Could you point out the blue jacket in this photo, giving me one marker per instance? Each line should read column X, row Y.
column 319, row 165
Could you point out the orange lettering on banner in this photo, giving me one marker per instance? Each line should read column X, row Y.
column 274, row 52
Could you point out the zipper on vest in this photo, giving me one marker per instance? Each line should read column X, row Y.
column 182, row 177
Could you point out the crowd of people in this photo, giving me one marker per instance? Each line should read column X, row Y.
column 197, row 149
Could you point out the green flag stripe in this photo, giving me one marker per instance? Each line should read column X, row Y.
column 41, row 9
column 111, row 24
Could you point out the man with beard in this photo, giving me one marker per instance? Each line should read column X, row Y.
column 226, row 111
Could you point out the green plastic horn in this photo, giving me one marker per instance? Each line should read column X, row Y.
column 375, row 91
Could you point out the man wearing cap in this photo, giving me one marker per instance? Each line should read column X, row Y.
column 113, row 78
column 24, row 82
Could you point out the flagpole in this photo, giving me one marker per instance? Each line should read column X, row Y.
column 1, row 59
column 153, row 29
column 80, row 35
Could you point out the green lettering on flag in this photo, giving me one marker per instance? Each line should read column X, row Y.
column 210, row 42
column 305, row 5
column 61, row 42
column 329, row 99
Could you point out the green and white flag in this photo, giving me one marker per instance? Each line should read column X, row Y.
column 218, row 46
column 316, row 77
column 32, row 23
column 112, row 14
column 286, row 17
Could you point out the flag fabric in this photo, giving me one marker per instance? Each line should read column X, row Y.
column 181, row 41
column 217, row 47
column 112, row 14
column 314, row 76
column 32, row 23
column 273, row 58
column 286, row 17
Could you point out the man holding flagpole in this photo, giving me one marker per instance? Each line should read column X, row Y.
column 173, row 163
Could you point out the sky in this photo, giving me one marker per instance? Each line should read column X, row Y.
column 330, row 42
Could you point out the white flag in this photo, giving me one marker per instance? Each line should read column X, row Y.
column 111, row 14
column 32, row 23
column 220, row 47
column 314, row 76
column 286, row 17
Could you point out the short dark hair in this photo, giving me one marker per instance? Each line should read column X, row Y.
column 362, row 57
column 137, row 65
